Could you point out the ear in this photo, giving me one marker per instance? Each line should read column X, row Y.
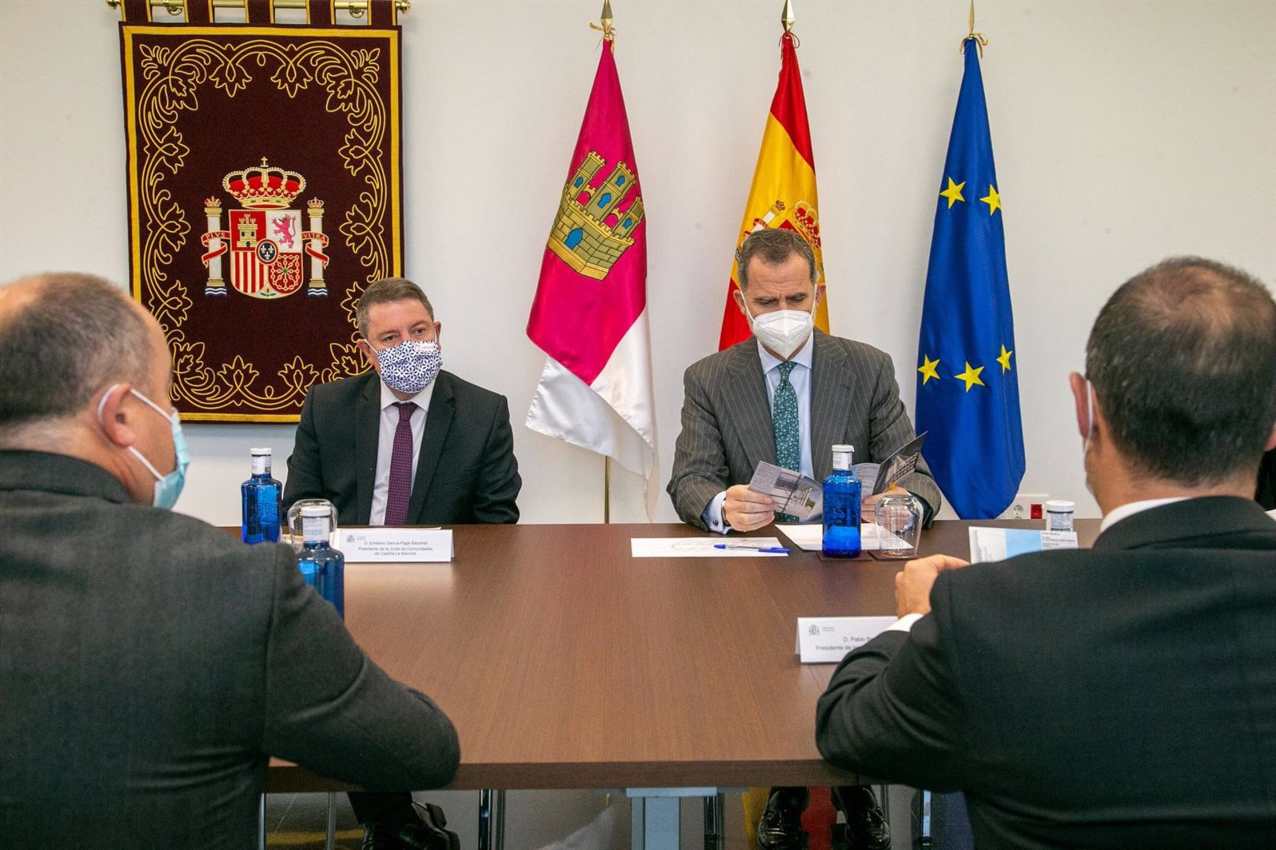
column 820, row 291
column 738, row 294
column 369, row 355
column 438, row 334
column 116, row 419
column 1271, row 439
column 1081, row 400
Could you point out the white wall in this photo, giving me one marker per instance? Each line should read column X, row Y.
column 1124, row 131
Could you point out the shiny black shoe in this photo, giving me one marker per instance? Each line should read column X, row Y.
column 866, row 827
column 426, row 831
column 780, row 827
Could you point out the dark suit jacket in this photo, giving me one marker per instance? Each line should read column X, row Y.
column 1121, row 697
column 149, row 665
column 466, row 471
column 726, row 420
column 1266, row 494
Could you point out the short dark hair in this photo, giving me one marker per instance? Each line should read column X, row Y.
column 1183, row 361
column 386, row 290
column 78, row 334
column 772, row 246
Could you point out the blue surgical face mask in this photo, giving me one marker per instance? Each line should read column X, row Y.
column 167, row 487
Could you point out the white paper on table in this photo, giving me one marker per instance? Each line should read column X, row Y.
column 1272, row 514
column 825, row 640
column 998, row 544
column 703, row 547
column 810, row 537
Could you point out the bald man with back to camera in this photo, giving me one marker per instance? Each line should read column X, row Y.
column 150, row 664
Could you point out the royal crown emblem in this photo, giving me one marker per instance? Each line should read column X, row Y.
column 265, row 240
column 802, row 218
column 591, row 230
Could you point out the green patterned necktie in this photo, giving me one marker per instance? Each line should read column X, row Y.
column 784, row 422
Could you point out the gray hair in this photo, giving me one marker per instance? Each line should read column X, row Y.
column 77, row 335
column 386, row 290
column 1183, row 361
column 773, row 246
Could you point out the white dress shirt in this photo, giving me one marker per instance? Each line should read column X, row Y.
column 385, row 444
column 800, row 380
column 1131, row 508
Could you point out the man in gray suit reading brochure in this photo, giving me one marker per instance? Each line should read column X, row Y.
column 785, row 397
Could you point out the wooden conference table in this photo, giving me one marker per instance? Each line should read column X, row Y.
column 566, row 663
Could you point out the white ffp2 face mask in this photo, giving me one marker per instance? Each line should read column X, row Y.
column 783, row 331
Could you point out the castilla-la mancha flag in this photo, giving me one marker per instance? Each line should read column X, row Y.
column 783, row 192
column 590, row 311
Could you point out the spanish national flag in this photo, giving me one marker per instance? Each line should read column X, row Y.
column 783, row 192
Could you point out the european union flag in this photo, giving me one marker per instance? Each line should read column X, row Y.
column 967, row 389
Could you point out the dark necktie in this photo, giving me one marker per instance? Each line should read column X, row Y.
column 784, row 423
column 400, row 491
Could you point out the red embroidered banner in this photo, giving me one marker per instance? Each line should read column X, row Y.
column 264, row 182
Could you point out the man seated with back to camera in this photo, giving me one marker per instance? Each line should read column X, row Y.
column 1122, row 696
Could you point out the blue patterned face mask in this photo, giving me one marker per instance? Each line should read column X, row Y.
column 410, row 366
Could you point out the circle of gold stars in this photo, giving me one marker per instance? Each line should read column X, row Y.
column 971, row 376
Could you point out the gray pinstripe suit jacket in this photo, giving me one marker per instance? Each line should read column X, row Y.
column 726, row 420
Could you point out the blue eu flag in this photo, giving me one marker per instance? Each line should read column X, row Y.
column 967, row 389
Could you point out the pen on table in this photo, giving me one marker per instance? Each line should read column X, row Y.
column 776, row 550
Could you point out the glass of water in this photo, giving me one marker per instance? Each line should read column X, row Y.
column 899, row 524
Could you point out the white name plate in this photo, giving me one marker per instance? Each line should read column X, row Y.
column 825, row 640
column 395, row 545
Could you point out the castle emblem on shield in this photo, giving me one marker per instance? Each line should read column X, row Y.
column 591, row 231
column 267, row 246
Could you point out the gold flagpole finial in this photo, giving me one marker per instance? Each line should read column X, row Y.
column 787, row 18
column 977, row 37
column 606, row 23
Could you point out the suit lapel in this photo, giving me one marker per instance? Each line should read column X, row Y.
column 747, row 404
column 438, row 421
column 367, row 428
column 830, row 400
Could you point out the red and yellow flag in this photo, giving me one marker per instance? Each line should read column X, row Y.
column 783, row 192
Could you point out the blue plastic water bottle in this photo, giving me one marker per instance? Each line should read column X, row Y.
column 262, row 498
column 322, row 567
column 842, row 507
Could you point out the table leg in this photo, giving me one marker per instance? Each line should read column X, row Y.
column 714, row 822
column 655, row 823
column 491, row 834
column 261, row 823
column 330, row 837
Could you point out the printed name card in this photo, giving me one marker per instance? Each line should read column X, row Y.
column 826, row 640
column 395, row 545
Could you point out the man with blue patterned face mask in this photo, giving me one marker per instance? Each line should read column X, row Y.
column 140, row 644
column 405, row 443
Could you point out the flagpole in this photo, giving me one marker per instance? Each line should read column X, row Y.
column 607, row 26
column 977, row 37
column 606, row 490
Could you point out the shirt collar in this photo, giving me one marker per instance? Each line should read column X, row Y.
column 801, row 358
column 421, row 399
column 1129, row 509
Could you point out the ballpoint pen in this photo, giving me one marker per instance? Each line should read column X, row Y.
column 773, row 550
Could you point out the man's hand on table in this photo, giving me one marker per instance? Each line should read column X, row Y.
column 914, row 582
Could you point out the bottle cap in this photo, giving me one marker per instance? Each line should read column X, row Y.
column 259, row 452
column 1060, row 506
column 842, row 447
column 316, row 511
